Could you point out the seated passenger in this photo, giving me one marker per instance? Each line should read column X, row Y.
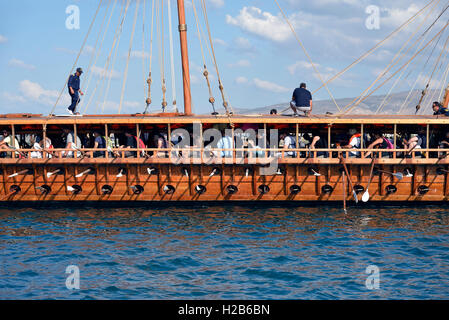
column 160, row 140
column 100, row 143
column 382, row 143
column 9, row 142
column 289, row 143
column 319, row 141
column 418, row 141
column 438, row 109
column 225, row 143
column 71, row 143
column 36, row 145
column 444, row 144
column 355, row 142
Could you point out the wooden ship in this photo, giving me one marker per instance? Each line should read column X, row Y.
column 199, row 172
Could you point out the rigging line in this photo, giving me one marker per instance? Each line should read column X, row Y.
column 94, row 49
column 423, row 38
column 160, row 24
column 410, row 60
column 438, row 18
column 437, row 63
column 366, row 54
column 446, row 73
column 120, row 31
column 424, row 92
column 435, row 91
column 396, row 59
column 149, row 80
column 97, row 56
column 172, row 56
column 308, row 56
column 205, row 72
column 417, row 78
column 225, row 103
column 77, row 58
column 129, row 57
column 102, row 76
column 143, row 46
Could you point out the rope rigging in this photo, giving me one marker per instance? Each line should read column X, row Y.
column 205, row 71
column 172, row 56
column 396, row 59
column 149, row 80
column 220, row 83
column 129, row 56
column 77, row 58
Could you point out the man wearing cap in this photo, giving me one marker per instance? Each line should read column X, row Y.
column 74, row 90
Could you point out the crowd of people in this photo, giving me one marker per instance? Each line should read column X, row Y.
column 313, row 143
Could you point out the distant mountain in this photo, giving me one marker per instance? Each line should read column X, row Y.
column 393, row 104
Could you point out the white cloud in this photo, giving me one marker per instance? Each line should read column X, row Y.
column 13, row 97
column 220, row 42
column 264, row 24
column 3, row 39
column 240, row 64
column 217, row 3
column 241, row 80
column 20, row 64
column 101, row 72
column 269, row 86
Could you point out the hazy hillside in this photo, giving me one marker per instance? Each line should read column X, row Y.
column 369, row 106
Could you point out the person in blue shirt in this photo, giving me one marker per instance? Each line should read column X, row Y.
column 74, row 90
column 438, row 109
column 302, row 100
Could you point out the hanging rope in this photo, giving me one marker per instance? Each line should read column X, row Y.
column 160, row 31
column 446, row 73
column 396, row 59
column 129, row 57
column 378, row 45
column 408, row 62
column 172, row 57
column 436, row 64
column 77, row 58
column 423, row 38
column 149, row 80
column 97, row 56
column 307, row 54
column 220, row 83
column 205, row 71
column 119, row 36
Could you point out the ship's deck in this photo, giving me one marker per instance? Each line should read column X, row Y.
column 9, row 119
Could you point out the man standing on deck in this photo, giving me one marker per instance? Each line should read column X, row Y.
column 302, row 100
column 74, row 90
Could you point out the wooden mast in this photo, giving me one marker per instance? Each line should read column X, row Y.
column 185, row 58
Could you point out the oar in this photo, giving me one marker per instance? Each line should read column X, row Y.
column 315, row 173
column 398, row 175
column 213, row 173
column 49, row 174
column 186, row 173
column 366, row 196
column 344, row 192
column 82, row 173
column 120, row 174
column 150, row 171
column 247, row 173
column 18, row 173
column 349, row 178
column 70, row 189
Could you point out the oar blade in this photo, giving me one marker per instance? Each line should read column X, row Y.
column 365, row 197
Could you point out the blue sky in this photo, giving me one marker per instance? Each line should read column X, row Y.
column 259, row 60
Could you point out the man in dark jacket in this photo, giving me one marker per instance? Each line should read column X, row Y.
column 302, row 100
column 74, row 90
column 438, row 109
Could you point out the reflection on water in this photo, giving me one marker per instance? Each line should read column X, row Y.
column 230, row 252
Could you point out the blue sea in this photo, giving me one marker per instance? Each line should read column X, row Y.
column 225, row 252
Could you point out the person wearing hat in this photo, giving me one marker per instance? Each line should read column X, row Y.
column 74, row 90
